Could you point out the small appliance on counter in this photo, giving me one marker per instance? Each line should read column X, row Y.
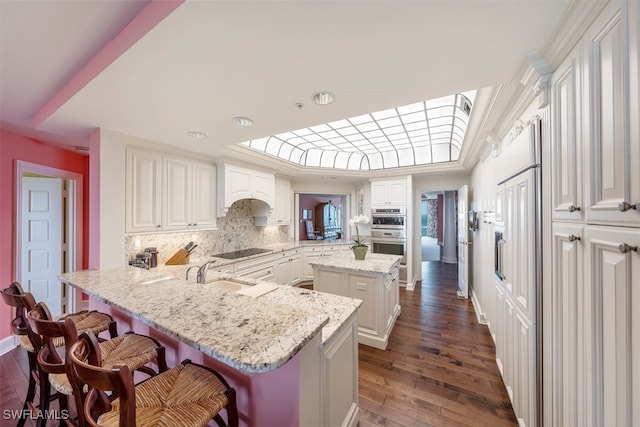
column 153, row 257
column 182, row 256
column 147, row 259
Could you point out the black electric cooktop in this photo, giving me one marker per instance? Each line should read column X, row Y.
column 241, row 253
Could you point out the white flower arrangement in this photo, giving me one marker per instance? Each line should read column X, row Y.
column 359, row 219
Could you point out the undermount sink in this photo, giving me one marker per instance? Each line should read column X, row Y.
column 227, row 285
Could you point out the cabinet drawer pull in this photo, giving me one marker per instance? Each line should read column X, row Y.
column 624, row 206
column 573, row 208
column 158, row 226
column 625, row 248
column 573, row 238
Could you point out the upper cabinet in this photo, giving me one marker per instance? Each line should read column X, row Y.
column 280, row 212
column 388, row 193
column 237, row 183
column 144, row 191
column 612, row 167
column 168, row 193
column 567, row 146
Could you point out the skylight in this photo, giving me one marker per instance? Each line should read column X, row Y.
column 423, row 133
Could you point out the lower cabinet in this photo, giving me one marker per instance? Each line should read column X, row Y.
column 379, row 294
column 594, row 335
column 288, row 267
column 339, row 380
column 515, row 355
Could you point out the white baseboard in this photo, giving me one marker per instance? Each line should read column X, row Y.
column 480, row 315
column 7, row 344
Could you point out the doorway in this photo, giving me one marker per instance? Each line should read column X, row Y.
column 321, row 216
column 48, row 237
column 431, row 211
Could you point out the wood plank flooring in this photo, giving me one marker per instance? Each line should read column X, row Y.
column 439, row 367
column 438, row 370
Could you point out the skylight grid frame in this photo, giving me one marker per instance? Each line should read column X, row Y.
column 411, row 135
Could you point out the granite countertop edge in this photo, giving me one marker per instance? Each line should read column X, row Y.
column 308, row 313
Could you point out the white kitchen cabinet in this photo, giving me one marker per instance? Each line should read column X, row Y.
column 309, row 253
column 378, row 291
column 524, row 372
column 388, row 193
column 567, row 326
column 261, row 268
column 612, row 167
column 499, row 208
column 168, row 193
column 567, row 141
column 612, row 274
column 189, row 197
column 312, row 252
column 522, row 235
column 339, row 378
column 280, row 212
column 237, row 183
column 288, row 267
column 143, row 191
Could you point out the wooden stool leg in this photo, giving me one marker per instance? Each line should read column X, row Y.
column 31, row 390
column 162, row 359
column 45, row 399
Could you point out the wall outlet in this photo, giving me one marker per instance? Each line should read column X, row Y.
column 361, row 286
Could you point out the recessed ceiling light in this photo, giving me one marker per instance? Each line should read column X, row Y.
column 196, row 134
column 242, row 121
column 323, row 98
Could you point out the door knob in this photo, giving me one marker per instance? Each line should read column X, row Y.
column 573, row 238
column 625, row 248
column 624, row 206
column 573, row 208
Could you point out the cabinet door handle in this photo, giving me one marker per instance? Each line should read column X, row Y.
column 624, row 206
column 573, row 208
column 573, row 238
column 625, row 248
column 158, row 226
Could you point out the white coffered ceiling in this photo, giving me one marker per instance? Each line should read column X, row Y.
column 208, row 61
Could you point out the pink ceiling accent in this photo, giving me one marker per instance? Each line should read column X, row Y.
column 141, row 24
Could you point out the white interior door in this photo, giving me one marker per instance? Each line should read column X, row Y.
column 41, row 226
column 463, row 243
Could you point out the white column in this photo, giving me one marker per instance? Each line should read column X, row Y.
column 449, row 254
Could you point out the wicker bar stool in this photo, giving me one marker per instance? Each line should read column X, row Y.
column 187, row 395
column 14, row 296
column 132, row 350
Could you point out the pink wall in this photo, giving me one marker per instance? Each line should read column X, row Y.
column 263, row 399
column 15, row 147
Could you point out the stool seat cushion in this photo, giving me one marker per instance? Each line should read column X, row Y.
column 93, row 321
column 84, row 321
column 187, row 395
column 132, row 350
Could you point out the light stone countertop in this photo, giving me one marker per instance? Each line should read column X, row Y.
column 249, row 334
column 374, row 263
column 275, row 248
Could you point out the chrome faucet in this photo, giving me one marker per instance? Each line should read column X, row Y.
column 201, row 276
column 186, row 277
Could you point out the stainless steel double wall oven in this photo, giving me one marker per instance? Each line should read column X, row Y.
column 389, row 235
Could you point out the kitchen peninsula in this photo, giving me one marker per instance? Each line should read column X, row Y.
column 291, row 354
column 373, row 280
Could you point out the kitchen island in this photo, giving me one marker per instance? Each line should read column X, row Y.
column 373, row 280
column 283, row 351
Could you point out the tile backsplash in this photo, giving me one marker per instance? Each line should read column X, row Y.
column 235, row 231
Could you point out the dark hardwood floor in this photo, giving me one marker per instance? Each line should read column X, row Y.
column 439, row 367
column 438, row 370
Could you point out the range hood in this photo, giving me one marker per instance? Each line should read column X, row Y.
column 238, row 183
